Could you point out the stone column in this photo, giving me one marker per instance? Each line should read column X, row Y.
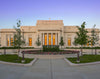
column 27, row 41
column 59, row 36
column 47, row 39
column 43, row 38
column 55, row 38
column 10, row 40
column 40, row 36
column 6, row 40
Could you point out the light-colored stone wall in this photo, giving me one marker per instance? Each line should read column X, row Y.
column 5, row 34
column 44, row 26
column 0, row 38
column 16, row 50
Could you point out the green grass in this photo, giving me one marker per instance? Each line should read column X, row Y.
column 14, row 59
column 85, row 59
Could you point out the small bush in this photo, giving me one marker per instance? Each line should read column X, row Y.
column 16, row 47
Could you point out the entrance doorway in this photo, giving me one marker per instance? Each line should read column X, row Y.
column 49, row 39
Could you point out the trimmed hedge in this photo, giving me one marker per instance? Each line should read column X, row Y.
column 16, row 48
column 51, row 48
column 83, row 47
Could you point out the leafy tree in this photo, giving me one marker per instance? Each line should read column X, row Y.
column 18, row 38
column 61, row 42
column 82, row 36
column 94, row 39
column 75, row 43
column 38, row 42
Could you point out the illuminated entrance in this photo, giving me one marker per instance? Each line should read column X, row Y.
column 45, row 39
column 49, row 39
column 53, row 39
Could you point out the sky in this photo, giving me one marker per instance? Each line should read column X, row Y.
column 72, row 12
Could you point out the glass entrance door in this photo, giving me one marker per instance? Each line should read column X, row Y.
column 49, row 39
column 54, row 39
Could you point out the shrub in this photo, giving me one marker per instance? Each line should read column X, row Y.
column 83, row 47
column 51, row 48
column 16, row 47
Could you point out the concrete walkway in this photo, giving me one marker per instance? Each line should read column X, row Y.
column 50, row 69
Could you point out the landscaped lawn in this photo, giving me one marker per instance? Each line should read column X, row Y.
column 85, row 59
column 14, row 59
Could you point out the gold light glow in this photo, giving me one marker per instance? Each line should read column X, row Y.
column 53, row 39
column 45, row 38
column 49, row 39
column 69, row 41
column 30, row 41
column 8, row 42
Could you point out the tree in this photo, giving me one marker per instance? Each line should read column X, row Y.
column 61, row 42
column 4, row 50
column 94, row 39
column 75, row 43
column 82, row 36
column 38, row 42
column 18, row 38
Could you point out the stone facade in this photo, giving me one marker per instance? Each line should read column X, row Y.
column 49, row 31
column 0, row 38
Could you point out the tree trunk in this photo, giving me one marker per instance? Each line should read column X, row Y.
column 81, row 50
column 4, row 51
column 95, row 51
column 18, row 52
column 92, row 50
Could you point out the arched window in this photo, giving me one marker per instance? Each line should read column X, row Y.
column 30, row 41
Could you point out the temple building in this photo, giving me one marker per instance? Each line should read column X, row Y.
column 49, row 31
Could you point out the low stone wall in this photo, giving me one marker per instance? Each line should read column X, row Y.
column 15, row 50
column 85, row 50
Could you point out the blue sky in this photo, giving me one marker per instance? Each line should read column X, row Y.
column 72, row 12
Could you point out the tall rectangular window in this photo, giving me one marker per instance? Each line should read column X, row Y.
column 49, row 39
column 53, row 39
column 11, row 41
column 69, row 41
column 8, row 42
column 30, row 41
column 45, row 39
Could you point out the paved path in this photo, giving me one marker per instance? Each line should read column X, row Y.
column 50, row 69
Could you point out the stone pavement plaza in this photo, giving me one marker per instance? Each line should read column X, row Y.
column 50, row 68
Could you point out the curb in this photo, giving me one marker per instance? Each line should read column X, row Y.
column 18, row 64
column 83, row 64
